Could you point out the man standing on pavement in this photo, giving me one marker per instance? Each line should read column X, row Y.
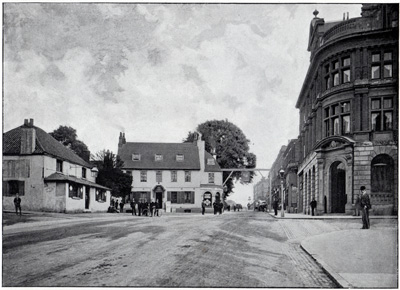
column 276, row 204
column 203, row 207
column 313, row 204
column 133, row 206
column 365, row 207
column 17, row 203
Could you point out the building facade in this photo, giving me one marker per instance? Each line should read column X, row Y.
column 47, row 175
column 349, row 112
column 261, row 190
column 178, row 176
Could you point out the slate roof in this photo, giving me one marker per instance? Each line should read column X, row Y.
column 169, row 151
column 45, row 144
column 61, row 177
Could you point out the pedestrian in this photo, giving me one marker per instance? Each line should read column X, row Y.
column 220, row 207
column 365, row 207
column 146, row 206
column 140, row 207
column 203, row 207
column 313, row 205
column 276, row 203
column 152, row 208
column 234, row 207
column 121, row 206
column 116, row 205
column 133, row 206
column 215, row 206
column 112, row 202
column 157, row 208
column 17, row 203
column 357, row 206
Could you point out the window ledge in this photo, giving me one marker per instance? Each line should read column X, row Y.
column 75, row 197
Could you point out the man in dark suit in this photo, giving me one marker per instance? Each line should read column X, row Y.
column 365, row 207
column 313, row 205
column 133, row 206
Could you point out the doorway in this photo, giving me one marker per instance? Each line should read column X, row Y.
column 338, row 187
column 87, row 197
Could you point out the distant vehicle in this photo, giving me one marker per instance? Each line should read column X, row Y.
column 261, row 205
column 239, row 206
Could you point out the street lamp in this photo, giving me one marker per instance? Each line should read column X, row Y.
column 281, row 175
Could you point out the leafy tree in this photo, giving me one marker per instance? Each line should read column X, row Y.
column 110, row 173
column 231, row 147
column 68, row 137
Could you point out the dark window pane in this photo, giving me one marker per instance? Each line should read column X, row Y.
column 376, row 121
column 326, row 112
column 335, row 110
column 346, row 61
column 328, row 83
column 346, row 76
column 336, row 65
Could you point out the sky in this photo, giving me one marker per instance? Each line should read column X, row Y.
column 155, row 71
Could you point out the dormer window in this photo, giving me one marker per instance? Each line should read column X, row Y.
column 136, row 157
column 158, row 157
column 210, row 161
column 180, row 157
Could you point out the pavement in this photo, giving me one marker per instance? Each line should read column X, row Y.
column 355, row 258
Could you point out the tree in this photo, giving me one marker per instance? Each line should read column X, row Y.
column 110, row 173
column 231, row 147
column 68, row 137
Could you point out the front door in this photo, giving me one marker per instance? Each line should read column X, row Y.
column 159, row 199
column 87, row 197
column 338, row 187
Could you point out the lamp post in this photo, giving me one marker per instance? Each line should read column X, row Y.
column 281, row 175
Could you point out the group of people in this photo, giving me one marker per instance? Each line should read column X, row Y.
column 116, row 206
column 217, row 205
column 362, row 204
column 145, row 208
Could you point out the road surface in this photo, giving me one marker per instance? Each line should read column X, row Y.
column 235, row 249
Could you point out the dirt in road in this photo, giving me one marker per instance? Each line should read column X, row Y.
column 245, row 249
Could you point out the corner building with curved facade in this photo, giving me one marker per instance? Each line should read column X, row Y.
column 349, row 113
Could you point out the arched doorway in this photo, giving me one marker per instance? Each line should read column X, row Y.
column 338, row 187
column 159, row 193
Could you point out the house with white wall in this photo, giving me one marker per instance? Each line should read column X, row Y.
column 47, row 175
column 178, row 176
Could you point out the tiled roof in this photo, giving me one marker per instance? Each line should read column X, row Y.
column 169, row 151
column 45, row 144
column 61, row 177
column 210, row 168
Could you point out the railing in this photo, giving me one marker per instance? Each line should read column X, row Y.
column 347, row 25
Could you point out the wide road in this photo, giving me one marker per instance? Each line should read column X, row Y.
column 235, row 249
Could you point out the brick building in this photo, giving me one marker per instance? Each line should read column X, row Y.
column 349, row 112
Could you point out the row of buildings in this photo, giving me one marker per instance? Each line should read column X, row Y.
column 348, row 129
column 50, row 177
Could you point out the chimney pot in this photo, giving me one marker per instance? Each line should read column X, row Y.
column 30, row 122
column 26, row 122
column 347, row 15
column 344, row 16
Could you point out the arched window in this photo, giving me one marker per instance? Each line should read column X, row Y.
column 382, row 174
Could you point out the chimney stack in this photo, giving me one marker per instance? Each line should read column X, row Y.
column 347, row 15
column 28, row 137
column 121, row 140
column 344, row 16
